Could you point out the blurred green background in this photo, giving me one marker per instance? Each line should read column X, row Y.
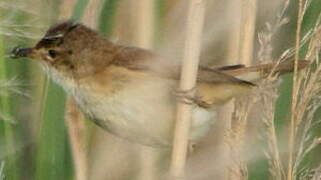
column 33, row 139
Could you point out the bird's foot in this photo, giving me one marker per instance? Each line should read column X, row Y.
column 191, row 147
column 189, row 97
column 186, row 96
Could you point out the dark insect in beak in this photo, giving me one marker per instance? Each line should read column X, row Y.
column 19, row 52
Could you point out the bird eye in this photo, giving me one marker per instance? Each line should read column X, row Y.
column 52, row 53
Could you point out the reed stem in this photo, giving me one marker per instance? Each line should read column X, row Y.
column 194, row 26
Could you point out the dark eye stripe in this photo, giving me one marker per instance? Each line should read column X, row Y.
column 46, row 42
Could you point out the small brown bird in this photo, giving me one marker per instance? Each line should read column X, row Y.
column 128, row 91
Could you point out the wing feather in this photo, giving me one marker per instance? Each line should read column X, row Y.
column 213, row 87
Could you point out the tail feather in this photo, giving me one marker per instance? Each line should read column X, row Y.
column 228, row 68
column 260, row 71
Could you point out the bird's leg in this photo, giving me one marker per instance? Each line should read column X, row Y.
column 186, row 96
column 191, row 146
column 189, row 97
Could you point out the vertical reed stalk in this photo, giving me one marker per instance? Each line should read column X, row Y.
column 233, row 53
column 66, row 8
column 144, row 38
column 76, row 130
column 90, row 16
column 248, row 18
column 225, row 114
column 145, row 22
column 295, row 91
column 74, row 119
column 194, row 27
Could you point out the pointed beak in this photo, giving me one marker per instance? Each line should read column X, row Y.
column 19, row 52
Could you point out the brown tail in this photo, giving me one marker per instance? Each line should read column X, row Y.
column 262, row 70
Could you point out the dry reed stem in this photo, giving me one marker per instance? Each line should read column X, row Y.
column 233, row 53
column 145, row 22
column 144, row 25
column 76, row 130
column 248, row 19
column 194, row 27
column 74, row 119
column 295, row 90
column 90, row 16
column 66, row 9
column 225, row 115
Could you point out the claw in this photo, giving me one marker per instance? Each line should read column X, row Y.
column 186, row 96
column 189, row 97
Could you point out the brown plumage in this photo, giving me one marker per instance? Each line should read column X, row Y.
column 129, row 91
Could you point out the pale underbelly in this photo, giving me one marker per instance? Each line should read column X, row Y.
column 144, row 114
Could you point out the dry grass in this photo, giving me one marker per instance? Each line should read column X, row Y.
column 236, row 133
column 269, row 96
column 284, row 163
column 305, row 103
column 237, row 137
column 77, row 136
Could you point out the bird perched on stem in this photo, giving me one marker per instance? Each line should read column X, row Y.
column 129, row 91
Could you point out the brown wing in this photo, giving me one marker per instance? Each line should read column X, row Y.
column 213, row 86
column 142, row 59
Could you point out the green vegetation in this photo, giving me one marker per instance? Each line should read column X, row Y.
column 34, row 140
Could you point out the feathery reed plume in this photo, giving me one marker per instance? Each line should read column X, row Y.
column 307, row 104
column 194, row 26
column 295, row 91
column 269, row 96
column 238, row 169
column 10, row 87
column 268, row 99
column 304, row 102
column 236, row 137
column 10, row 28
